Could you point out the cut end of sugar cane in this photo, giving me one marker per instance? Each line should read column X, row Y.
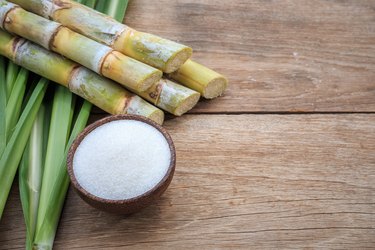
column 207, row 82
column 138, row 106
column 177, row 99
column 215, row 87
column 187, row 104
column 157, row 116
column 158, row 52
column 179, row 58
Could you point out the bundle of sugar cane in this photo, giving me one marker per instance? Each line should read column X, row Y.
column 43, row 178
column 100, row 91
column 93, row 55
column 155, row 51
column 165, row 94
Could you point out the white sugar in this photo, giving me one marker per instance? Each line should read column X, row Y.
column 121, row 159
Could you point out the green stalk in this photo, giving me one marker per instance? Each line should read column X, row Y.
column 12, row 72
column 46, row 233
column 101, row 5
column 92, row 3
column 62, row 112
column 31, row 172
column 114, row 8
column 14, row 104
column 13, row 152
column 3, row 103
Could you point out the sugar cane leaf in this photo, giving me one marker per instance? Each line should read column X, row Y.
column 13, row 151
column 59, row 130
column 13, row 108
column 90, row 3
column 31, row 172
column 11, row 75
column 3, row 101
column 116, row 9
column 46, row 233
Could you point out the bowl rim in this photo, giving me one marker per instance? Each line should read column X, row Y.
column 108, row 119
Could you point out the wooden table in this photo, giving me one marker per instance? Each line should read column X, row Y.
column 286, row 159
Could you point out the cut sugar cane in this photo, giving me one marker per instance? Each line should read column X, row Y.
column 171, row 97
column 141, row 46
column 91, row 54
column 100, row 91
column 207, row 82
column 161, row 53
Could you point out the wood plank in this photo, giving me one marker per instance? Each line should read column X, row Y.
column 243, row 181
column 280, row 56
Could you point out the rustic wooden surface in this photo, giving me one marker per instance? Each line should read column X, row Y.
column 286, row 159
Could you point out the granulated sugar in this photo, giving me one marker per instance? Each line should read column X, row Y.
column 121, row 159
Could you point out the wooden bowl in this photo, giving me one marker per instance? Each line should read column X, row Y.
column 126, row 206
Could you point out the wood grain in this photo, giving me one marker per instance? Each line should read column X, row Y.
column 280, row 56
column 247, row 180
column 242, row 181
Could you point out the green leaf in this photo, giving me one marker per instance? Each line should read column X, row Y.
column 31, row 173
column 90, row 3
column 13, row 152
column 12, row 72
column 46, row 233
column 101, row 5
column 62, row 112
column 3, row 103
column 13, row 108
column 116, row 9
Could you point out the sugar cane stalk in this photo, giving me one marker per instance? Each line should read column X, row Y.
column 161, row 53
column 100, row 91
column 91, row 54
column 144, row 47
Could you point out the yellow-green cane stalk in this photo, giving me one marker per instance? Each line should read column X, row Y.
column 100, row 91
column 207, row 82
column 13, row 151
column 161, row 53
column 89, row 53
